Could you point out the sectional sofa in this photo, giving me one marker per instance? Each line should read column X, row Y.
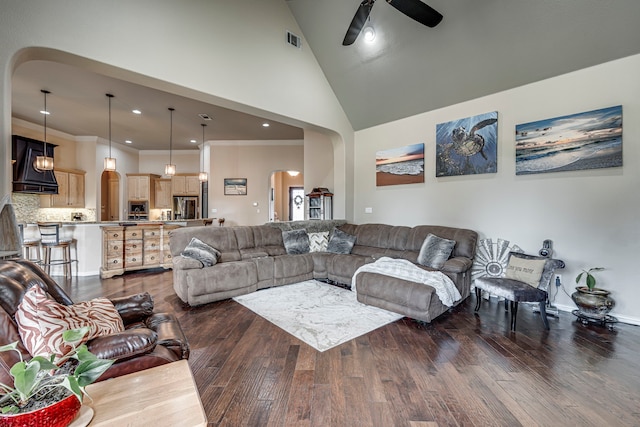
column 249, row 258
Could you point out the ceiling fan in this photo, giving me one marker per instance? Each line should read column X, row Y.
column 414, row 9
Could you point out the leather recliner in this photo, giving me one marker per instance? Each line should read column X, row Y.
column 149, row 339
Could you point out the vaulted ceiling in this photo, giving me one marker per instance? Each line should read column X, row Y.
column 480, row 47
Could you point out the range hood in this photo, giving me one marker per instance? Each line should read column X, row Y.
column 26, row 178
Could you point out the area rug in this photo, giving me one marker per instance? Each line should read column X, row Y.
column 319, row 314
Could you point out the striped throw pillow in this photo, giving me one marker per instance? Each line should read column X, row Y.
column 41, row 321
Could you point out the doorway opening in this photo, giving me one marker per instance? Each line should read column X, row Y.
column 283, row 189
column 110, row 196
column 296, row 203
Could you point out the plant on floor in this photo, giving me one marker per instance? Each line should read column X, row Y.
column 44, row 380
column 590, row 279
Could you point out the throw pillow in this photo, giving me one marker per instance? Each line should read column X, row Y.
column 341, row 242
column 524, row 270
column 435, row 251
column 296, row 241
column 41, row 321
column 318, row 241
column 197, row 249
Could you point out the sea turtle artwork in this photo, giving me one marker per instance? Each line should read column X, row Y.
column 462, row 152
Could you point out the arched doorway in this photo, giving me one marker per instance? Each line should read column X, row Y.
column 110, row 196
column 285, row 190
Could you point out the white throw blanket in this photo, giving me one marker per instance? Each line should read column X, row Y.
column 406, row 270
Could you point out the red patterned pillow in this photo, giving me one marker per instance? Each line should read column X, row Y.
column 41, row 321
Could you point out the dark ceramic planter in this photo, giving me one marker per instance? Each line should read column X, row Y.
column 60, row 414
column 594, row 304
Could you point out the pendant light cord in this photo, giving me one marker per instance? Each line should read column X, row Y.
column 45, row 113
column 109, row 96
column 202, row 155
column 171, row 135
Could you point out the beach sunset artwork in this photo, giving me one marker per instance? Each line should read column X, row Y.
column 589, row 140
column 467, row 146
column 404, row 165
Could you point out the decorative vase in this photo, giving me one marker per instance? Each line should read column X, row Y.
column 593, row 303
column 59, row 414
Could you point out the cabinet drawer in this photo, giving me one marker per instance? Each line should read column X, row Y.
column 153, row 232
column 131, row 260
column 167, row 257
column 152, row 258
column 152, row 244
column 114, row 248
column 114, row 235
column 133, row 247
column 113, row 263
column 133, row 233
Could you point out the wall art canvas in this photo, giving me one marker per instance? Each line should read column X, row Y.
column 235, row 186
column 467, row 146
column 404, row 165
column 589, row 140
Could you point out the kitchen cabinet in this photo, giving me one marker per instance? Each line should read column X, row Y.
column 139, row 186
column 163, row 194
column 70, row 190
column 185, row 185
column 130, row 248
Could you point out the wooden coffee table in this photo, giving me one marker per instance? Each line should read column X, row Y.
column 162, row 396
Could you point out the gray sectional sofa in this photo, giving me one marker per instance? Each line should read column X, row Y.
column 255, row 257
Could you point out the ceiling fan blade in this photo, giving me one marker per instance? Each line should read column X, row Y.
column 358, row 21
column 417, row 10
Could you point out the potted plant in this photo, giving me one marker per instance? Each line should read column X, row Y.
column 46, row 387
column 593, row 303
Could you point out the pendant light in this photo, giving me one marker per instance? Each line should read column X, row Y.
column 170, row 168
column 44, row 162
column 109, row 162
column 203, row 175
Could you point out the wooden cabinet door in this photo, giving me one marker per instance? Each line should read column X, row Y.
column 75, row 193
column 60, row 200
column 138, row 187
column 178, row 185
column 192, row 184
column 163, row 193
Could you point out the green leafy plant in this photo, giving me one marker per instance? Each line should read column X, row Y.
column 589, row 278
column 42, row 379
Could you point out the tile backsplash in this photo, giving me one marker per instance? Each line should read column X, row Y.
column 28, row 210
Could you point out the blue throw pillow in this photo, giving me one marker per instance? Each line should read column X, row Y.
column 341, row 242
column 197, row 249
column 296, row 241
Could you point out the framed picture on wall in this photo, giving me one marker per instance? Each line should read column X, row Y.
column 235, row 186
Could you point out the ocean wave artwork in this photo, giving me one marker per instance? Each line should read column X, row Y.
column 403, row 165
column 588, row 140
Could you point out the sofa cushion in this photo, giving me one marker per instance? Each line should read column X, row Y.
column 197, row 249
column 435, row 251
column 524, row 270
column 41, row 321
column 341, row 242
column 318, row 241
column 296, row 241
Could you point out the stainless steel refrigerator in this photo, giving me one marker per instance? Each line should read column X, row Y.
column 185, row 207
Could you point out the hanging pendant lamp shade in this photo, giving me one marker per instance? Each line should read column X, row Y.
column 109, row 162
column 170, row 168
column 202, row 176
column 44, row 162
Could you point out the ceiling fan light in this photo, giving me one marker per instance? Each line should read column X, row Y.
column 369, row 34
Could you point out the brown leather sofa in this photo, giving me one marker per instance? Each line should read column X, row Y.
column 149, row 339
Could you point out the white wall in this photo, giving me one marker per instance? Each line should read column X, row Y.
column 255, row 161
column 591, row 215
column 154, row 161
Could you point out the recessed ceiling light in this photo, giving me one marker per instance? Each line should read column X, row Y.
column 128, row 141
column 265, row 125
column 136, row 111
column 193, row 141
column 44, row 112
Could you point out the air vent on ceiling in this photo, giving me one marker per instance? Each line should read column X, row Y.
column 294, row 40
column 204, row 116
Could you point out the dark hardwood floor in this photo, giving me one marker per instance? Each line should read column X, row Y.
column 462, row 369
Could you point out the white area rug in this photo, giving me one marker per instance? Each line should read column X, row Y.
column 319, row 314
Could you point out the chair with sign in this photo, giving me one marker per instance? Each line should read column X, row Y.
column 527, row 279
column 50, row 239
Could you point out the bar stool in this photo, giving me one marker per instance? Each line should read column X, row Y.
column 50, row 239
column 29, row 246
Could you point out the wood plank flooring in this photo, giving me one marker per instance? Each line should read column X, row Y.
column 462, row 369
